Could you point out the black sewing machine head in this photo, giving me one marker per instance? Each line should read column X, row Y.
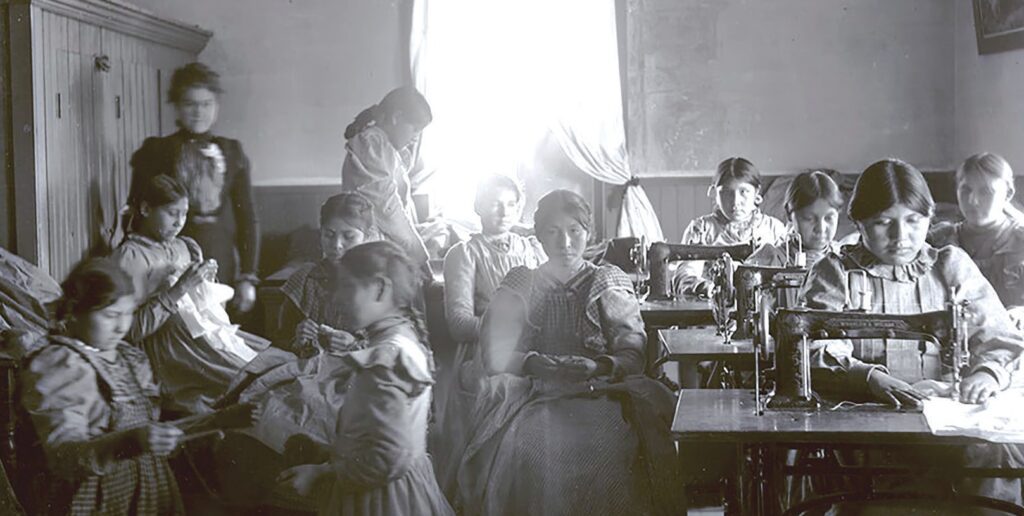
column 796, row 327
column 661, row 254
column 752, row 283
column 630, row 255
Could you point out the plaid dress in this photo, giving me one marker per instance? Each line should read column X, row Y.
column 81, row 400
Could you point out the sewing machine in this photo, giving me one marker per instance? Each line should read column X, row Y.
column 722, row 295
column 758, row 293
column 796, row 327
column 630, row 255
column 661, row 254
column 753, row 283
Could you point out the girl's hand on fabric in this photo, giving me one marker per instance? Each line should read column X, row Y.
column 337, row 341
column 542, row 366
column 578, row 368
column 157, row 438
column 891, row 390
column 195, row 275
column 978, row 387
column 303, row 479
column 245, row 296
column 307, row 332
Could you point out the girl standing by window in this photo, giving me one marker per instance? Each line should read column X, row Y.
column 380, row 156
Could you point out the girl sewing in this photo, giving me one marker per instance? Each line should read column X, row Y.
column 165, row 269
column 299, row 397
column 379, row 462
column 813, row 201
column 736, row 219
column 900, row 273
column 92, row 401
column 308, row 318
column 380, row 156
column 565, row 422
column 992, row 231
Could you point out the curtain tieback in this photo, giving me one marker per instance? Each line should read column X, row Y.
column 633, row 181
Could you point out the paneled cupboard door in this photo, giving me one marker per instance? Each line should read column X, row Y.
column 91, row 92
column 70, row 141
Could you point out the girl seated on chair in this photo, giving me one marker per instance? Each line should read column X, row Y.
column 992, row 231
column 566, row 422
column 813, row 201
column 302, row 390
column 736, row 219
column 891, row 207
column 308, row 318
column 92, row 400
column 472, row 272
column 172, row 286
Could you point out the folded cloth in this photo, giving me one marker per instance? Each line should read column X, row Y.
column 997, row 420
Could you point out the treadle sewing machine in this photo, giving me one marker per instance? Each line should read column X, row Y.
column 661, row 254
column 795, row 419
column 760, row 291
column 796, row 328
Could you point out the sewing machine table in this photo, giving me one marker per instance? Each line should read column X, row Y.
column 728, row 416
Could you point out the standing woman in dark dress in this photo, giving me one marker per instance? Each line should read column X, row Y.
column 222, row 216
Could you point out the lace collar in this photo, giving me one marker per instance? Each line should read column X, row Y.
column 859, row 257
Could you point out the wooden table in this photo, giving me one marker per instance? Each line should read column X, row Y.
column 729, row 416
column 679, row 312
column 688, row 347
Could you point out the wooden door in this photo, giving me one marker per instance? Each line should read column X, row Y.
column 71, row 227
column 131, row 89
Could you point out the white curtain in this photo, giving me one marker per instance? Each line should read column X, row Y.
column 501, row 76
